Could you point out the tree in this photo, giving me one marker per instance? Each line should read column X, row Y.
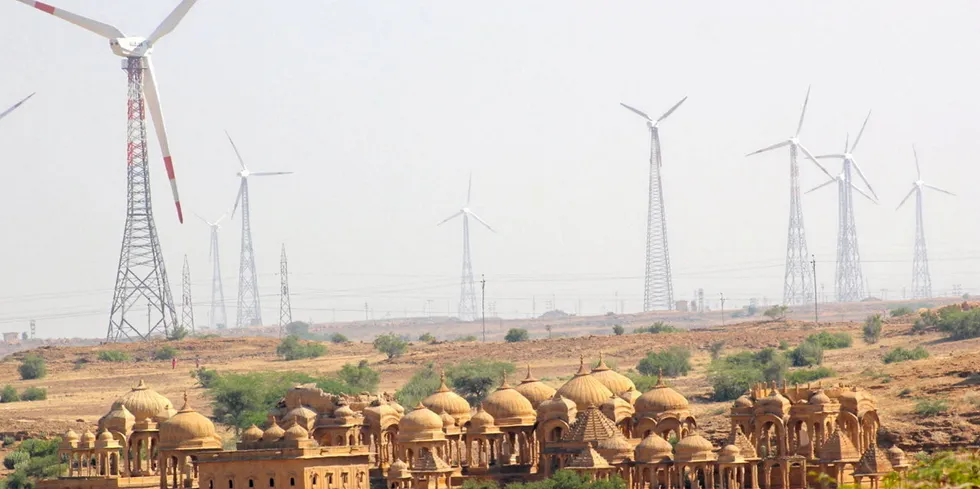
column 516, row 335
column 427, row 338
column 872, row 328
column 360, row 376
column 33, row 367
column 338, row 338
column 716, row 349
column 290, row 348
column 298, row 328
column 473, row 379
column 390, row 344
column 9, row 394
column 548, row 328
column 808, row 354
column 777, row 312
column 24, row 336
column 165, row 352
column 618, row 330
column 178, row 333
column 672, row 362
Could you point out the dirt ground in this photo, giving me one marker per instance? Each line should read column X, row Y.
column 81, row 388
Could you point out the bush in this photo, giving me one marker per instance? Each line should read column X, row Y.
column 338, row 338
column 900, row 311
column 391, row 345
column 33, row 367
column 178, row 333
column 205, row 377
column 831, row 341
column 716, row 349
column 959, row 324
column 672, row 362
column 930, row 407
column 941, row 469
column 466, row 339
column 113, row 356
column 298, row 328
column 776, row 312
column 15, row 458
column 34, row 394
column 567, row 479
column 165, row 352
column 515, row 335
column 427, row 338
column 360, row 376
column 806, row 355
column 733, row 375
column 783, row 345
column 809, row 375
column 872, row 328
column 656, row 328
column 618, row 330
column 291, row 348
column 473, row 380
column 9, row 394
column 901, row 354
column 33, row 460
column 238, row 400
column 728, row 384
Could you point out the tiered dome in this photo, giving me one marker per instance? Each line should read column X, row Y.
column 820, row 399
column 616, row 382
column 188, row 429
column 252, row 434
column 616, row 408
column 299, row 413
column 444, row 399
column 616, row 448
column 659, row 400
column 508, row 407
column 144, row 403
column 273, row 433
column 584, row 390
column 774, row 403
column 534, row 390
column 296, row 432
column 653, row 449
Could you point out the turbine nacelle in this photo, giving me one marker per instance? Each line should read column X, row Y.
column 244, row 173
column 131, row 47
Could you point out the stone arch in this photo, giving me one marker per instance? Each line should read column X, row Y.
column 849, row 424
column 869, row 429
column 763, row 423
column 670, row 425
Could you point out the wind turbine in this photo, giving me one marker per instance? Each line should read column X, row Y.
column 249, row 309
column 141, row 271
column 14, row 107
column 921, row 280
column 467, row 294
column 850, row 279
column 658, row 286
column 798, row 278
column 218, row 318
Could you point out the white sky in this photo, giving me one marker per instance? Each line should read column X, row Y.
column 383, row 109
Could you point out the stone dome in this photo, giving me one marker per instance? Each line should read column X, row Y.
column 508, row 407
column 188, row 429
column 616, row 382
column 631, row 396
column 482, row 423
column 730, row 454
column 660, row 399
column 301, row 412
column 70, row 435
column 615, row 446
column 557, row 408
column 252, row 434
column 164, row 414
column 344, row 411
column 584, row 390
column 398, row 470
column 104, row 436
column 534, row 390
column 616, row 408
column 447, row 420
column 444, row 399
column 743, row 402
column 397, row 407
column 273, row 433
column 774, row 404
column 296, row 432
column 653, row 449
column 694, row 448
column 143, row 402
column 820, row 398
column 88, row 437
column 420, row 424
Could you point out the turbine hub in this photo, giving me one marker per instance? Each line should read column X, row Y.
column 130, row 47
column 244, row 173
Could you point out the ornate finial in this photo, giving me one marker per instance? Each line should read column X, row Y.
column 528, row 372
column 503, row 383
column 660, row 377
column 442, row 381
column 187, row 406
column 581, row 366
column 140, row 386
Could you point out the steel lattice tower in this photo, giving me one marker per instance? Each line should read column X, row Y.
column 798, row 278
column 249, row 308
column 219, row 316
column 921, row 280
column 141, row 275
column 850, row 278
column 285, row 309
column 186, row 303
column 467, row 288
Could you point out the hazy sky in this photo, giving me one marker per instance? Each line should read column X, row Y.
column 383, row 108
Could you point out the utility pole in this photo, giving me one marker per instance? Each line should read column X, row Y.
column 33, row 328
column 722, row 308
column 483, row 304
column 365, row 311
column 816, row 314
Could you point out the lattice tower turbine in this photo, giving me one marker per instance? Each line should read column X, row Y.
column 285, row 308
column 467, row 296
column 218, row 315
column 186, row 302
column 921, row 280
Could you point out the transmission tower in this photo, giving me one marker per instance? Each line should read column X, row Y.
column 186, row 303
column 285, row 309
column 921, row 281
column 798, row 278
column 850, row 279
column 467, row 288
column 141, row 275
column 249, row 309
column 218, row 316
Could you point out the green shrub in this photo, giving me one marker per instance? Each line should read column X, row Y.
column 338, row 338
column 872, row 328
column 830, row 341
column 729, row 383
column 515, row 335
column 8, row 441
column 672, row 362
column 906, row 392
column 34, row 394
column 901, row 354
column 733, row 375
column 33, row 367
column 390, row 344
column 299, row 329
column 776, row 312
column 567, row 479
column 657, row 328
column 926, row 321
column 808, row 375
column 940, row 469
column 238, row 400
column 900, row 311
column 466, row 339
column 291, row 348
column 716, row 349
column 165, row 352
column 643, row 383
column 178, row 333
column 15, row 458
column 113, row 356
column 360, row 376
column 783, row 345
column 205, row 377
column 9, row 394
column 931, row 407
column 618, row 330
column 958, row 324
column 806, row 355
column 473, row 379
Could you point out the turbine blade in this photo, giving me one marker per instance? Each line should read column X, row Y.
column 171, row 21
column 469, row 189
column 671, row 111
column 205, row 221
column 637, row 111
column 269, row 173
column 14, row 107
column 858, row 140
column 239, row 155
column 814, row 160
column 874, row 201
column 152, row 98
column 938, row 189
column 803, row 113
column 238, row 198
column 832, row 155
column 105, row 30
column 474, row 216
column 767, row 148
column 900, row 204
column 222, row 218
column 861, row 174
column 457, row 213
column 918, row 171
column 822, row 185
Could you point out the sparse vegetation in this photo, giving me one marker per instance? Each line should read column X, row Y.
column 901, row 354
column 931, row 407
column 360, row 376
column 657, row 328
column 806, row 354
column 732, row 375
column 830, row 341
column 113, row 356
column 938, row 470
column 906, row 392
column 9, row 394
column 804, row 376
column 338, row 338
column 927, row 320
column 716, row 348
column 783, row 345
column 959, row 324
column 873, row 325
column 390, row 344
column 178, row 333
column 34, row 394
column 33, row 367
column 777, row 312
column 466, row 338
column 33, row 459
column 900, row 311
column 205, row 377
column 473, row 380
column 618, row 330
column 673, row 362
column 291, row 348
column 427, row 338
column 562, row 479
column 165, row 352
column 515, row 335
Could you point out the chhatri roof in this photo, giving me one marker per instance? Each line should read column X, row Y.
column 427, row 461
column 588, row 458
column 838, row 448
column 444, row 399
column 616, row 382
column 659, row 400
column 873, row 462
column 534, row 390
column 584, row 389
column 591, row 425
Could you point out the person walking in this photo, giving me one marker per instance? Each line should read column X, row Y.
column 173, row 363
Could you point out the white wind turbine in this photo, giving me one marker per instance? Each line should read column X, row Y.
column 14, row 107
column 249, row 308
column 921, row 280
column 467, row 296
column 218, row 316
